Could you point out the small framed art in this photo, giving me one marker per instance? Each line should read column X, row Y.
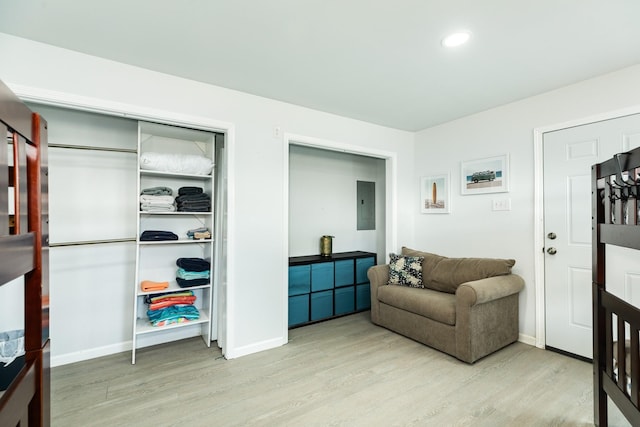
column 434, row 194
column 490, row 175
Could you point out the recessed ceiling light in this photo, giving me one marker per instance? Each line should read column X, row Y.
column 456, row 39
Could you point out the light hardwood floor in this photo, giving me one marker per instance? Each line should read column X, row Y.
column 344, row 372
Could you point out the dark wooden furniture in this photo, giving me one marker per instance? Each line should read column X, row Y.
column 616, row 323
column 24, row 252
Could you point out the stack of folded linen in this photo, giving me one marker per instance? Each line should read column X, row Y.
column 157, row 236
column 199, row 233
column 192, row 272
column 151, row 203
column 177, row 307
column 157, row 191
column 193, row 199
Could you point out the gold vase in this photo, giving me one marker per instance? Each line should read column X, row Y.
column 326, row 243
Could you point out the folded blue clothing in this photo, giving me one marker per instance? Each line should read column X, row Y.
column 187, row 311
column 157, row 235
column 189, row 190
column 184, row 283
column 188, row 275
column 193, row 264
column 194, row 209
column 193, row 198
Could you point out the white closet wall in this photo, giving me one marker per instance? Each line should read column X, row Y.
column 322, row 201
column 92, row 198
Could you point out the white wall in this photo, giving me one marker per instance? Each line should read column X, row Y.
column 472, row 228
column 256, row 312
column 322, row 201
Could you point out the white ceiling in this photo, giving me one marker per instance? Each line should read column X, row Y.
column 373, row 60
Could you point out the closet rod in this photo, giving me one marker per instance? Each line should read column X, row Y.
column 91, row 242
column 88, row 147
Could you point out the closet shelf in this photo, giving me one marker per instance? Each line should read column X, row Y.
column 145, row 213
column 145, row 172
column 175, row 242
column 144, row 327
column 173, row 287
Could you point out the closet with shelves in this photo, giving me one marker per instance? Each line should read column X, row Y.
column 175, row 235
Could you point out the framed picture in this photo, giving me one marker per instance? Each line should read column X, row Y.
column 434, row 194
column 490, row 175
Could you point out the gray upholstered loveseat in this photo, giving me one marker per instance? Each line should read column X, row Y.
column 468, row 307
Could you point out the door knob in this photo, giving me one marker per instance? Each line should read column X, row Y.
column 551, row 235
column 551, row 251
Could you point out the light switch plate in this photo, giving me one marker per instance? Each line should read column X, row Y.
column 501, row 204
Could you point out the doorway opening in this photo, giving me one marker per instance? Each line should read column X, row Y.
column 303, row 239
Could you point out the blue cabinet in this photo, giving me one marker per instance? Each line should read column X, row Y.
column 322, row 276
column 321, row 305
column 344, row 273
column 363, row 297
column 298, row 310
column 299, row 280
column 362, row 266
column 324, row 287
column 344, row 300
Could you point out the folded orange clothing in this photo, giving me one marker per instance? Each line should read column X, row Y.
column 148, row 285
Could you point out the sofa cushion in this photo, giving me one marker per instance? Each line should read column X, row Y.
column 405, row 270
column 435, row 305
column 446, row 274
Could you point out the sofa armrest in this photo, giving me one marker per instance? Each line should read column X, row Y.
column 378, row 276
column 490, row 289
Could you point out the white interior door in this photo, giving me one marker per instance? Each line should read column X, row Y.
column 568, row 157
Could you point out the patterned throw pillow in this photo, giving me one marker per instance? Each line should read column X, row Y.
column 405, row 270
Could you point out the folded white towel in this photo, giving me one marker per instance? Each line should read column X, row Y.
column 146, row 207
column 145, row 198
column 177, row 163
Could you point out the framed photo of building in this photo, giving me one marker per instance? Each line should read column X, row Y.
column 435, row 194
column 490, row 175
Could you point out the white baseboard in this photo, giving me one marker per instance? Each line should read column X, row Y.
column 254, row 348
column 527, row 339
column 143, row 341
column 91, row 353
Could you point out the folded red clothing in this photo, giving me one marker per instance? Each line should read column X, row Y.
column 168, row 303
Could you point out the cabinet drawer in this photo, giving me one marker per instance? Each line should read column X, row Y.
column 298, row 310
column 363, row 297
column 299, row 279
column 344, row 300
column 362, row 265
column 344, row 273
column 321, row 305
column 321, row 276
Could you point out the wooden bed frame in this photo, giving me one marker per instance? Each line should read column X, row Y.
column 24, row 240
column 616, row 323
